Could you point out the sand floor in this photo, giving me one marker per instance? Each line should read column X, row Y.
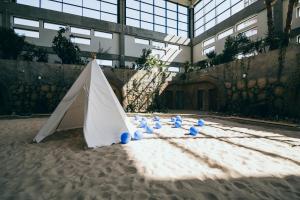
column 227, row 160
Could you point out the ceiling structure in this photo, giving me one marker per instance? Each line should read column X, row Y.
column 184, row 2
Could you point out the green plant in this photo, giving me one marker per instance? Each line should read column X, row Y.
column 68, row 52
column 33, row 53
column 188, row 67
column 147, row 61
column 11, row 44
column 41, row 55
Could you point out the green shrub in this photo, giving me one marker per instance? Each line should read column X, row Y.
column 68, row 52
column 11, row 44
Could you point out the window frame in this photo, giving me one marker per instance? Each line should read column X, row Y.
column 139, row 41
column 201, row 12
column 160, row 26
column 83, row 7
column 78, row 37
column 23, row 29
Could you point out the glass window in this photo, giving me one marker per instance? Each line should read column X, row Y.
column 160, row 11
column 298, row 11
column 104, row 62
column 171, row 6
column 27, row 33
column 158, row 45
column 79, row 40
column 134, row 13
column 80, row 31
column 133, row 4
column 96, row 9
column 35, row 3
column 141, row 41
column 73, row 2
column 146, row 7
column 237, row 7
column 159, row 28
column 298, row 39
column 146, row 17
column 132, row 22
column 171, row 31
column 108, row 7
column 208, row 42
column 91, row 13
column 26, row 22
column 160, row 3
column 146, row 25
column 208, row 50
column 182, row 26
column 103, row 34
column 225, row 34
column 75, row 10
column 171, row 14
column 159, row 20
column 246, row 23
column 51, row 26
column 173, row 69
column 92, row 4
column 109, row 17
column 51, row 5
column 158, row 15
column 250, row 32
column 183, row 33
column 208, row 13
column 182, row 9
column 171, row 23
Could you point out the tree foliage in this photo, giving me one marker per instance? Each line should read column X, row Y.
column 11, row 44
column 68, row 52
column 147, row 61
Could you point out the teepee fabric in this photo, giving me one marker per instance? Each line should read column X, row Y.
column 90, row 103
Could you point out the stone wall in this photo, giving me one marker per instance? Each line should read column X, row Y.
column 31, row 87
column 266, row 84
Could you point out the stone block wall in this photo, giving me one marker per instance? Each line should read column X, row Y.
column 31, row 87
column 266, row 84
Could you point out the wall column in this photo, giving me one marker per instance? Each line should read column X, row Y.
column 122, row 18
column 191, row 30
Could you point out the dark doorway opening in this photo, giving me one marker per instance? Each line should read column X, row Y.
column 200, row 99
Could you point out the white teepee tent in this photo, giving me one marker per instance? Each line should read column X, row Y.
column 90, row 103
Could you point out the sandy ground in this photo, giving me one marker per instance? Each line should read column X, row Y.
column 227, row 160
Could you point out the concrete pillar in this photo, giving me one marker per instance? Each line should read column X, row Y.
column 191, row 30
column 122, row 19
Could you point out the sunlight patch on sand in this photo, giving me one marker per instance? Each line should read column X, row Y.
column 218, row 152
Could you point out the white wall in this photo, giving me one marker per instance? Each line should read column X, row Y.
column 180, row 55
